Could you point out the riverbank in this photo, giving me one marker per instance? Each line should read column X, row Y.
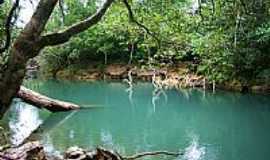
column 174, row 76
column 35, row 151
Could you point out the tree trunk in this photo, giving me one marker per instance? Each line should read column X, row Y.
column 26, row 46
column 42, row 101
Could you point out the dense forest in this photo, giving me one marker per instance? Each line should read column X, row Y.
column 223, row 40
column 200, row 43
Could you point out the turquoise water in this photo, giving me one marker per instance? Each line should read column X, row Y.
column 205, row 126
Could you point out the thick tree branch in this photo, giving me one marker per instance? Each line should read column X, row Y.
column 64, row 36
column 133, row 20
column 8, row 26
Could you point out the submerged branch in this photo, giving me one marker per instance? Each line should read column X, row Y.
column 156, row 153
column 101, row 154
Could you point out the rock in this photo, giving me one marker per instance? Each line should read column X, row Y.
column 145, row 74
column 28, row 151
column 116, row 71
column 93, row 76
column 76, row 153
column 260, row 88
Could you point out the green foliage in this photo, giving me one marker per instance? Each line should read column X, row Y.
column 4, row 8
column 225, row 40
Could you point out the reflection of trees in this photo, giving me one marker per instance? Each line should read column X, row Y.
column 55, row 121
column 129, row 90
column 158, row 91
column 194, row 151
column 49, row 146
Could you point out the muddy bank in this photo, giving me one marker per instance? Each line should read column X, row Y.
column 176, row 76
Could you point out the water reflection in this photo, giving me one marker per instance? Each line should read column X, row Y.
column 194, row 151
column 24, row 120
column 49, row 147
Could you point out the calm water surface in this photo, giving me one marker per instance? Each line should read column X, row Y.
column 205, row 126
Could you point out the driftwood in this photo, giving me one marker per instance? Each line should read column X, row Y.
column 42, row 101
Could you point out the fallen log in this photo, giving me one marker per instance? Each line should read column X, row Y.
column 42, row 101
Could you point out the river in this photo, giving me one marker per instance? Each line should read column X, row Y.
column 203, row 125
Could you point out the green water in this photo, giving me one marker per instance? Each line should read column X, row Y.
column 205, row 126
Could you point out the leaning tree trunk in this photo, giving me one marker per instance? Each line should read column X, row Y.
column 25, row 47
column 30, row 42
column 14, row 73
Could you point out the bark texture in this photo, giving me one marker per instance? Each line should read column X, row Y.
column 42, row 101
column 25, row 47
